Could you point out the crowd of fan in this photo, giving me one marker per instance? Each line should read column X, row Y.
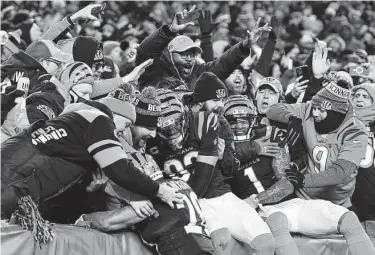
column 56, row 53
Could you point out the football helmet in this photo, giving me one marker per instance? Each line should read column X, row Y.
column 241, row 113
column 172, row 125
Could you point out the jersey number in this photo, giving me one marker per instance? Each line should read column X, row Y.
column 177, row 169
column 197, row 222
column 320, row 155
column 369, row 156
column 249, row 172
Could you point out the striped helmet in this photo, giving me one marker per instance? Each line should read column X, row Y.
column 238, row 106
column 172, row 122
column 146, row 164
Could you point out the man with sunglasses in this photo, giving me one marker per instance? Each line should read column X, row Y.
column 27, row 69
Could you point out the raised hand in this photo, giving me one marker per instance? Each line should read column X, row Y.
column 299, row 87
column 175, row 27
column 134, row 75
column 320, row 63
column 205, row 22
column 255, row 33
column 85, row 13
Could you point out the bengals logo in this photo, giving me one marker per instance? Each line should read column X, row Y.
column 220, row 93
column 326, row 105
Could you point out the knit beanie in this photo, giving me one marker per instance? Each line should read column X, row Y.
column 85, row 49
column 207, row 87
column 118, row 102
column 75, row 73
column 343, row 76
column 108, row 46
column 147, row 107
column 332, row 97
column 25, row 29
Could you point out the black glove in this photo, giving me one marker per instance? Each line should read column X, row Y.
column 295, row 176
column 205, row 22
column 275, row 24
column 294, row 132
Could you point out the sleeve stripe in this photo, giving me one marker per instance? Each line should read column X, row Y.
column 109, row 156
column 200, row 124
column 101, row 143
column 211, row 160
column 101, row 148
column 210, row 116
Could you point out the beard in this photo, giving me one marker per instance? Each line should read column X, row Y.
column 184, row 69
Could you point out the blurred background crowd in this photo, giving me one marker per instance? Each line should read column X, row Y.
column 347, row 27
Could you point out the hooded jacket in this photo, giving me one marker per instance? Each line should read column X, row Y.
column 19, row 65
column 155, row 46
column 364, row 193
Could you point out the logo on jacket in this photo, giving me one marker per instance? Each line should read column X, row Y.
column 47, row 111
column 220, row 93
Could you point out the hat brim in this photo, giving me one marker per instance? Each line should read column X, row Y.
column 62, row 57
column 198, row 49
column 267, row 84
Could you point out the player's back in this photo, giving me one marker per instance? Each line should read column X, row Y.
column 188, row 216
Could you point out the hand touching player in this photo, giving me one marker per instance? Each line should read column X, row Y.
column 264, row 147
column 169, row 196
column 295, row 176
column 294, row 132
column 144, row 208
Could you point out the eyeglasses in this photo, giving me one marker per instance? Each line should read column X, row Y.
column 57, row 62
column 186, row 55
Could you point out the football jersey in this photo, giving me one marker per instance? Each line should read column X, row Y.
column 201, row 139
column 257, row 175
column 348, row 142
column 188, row 216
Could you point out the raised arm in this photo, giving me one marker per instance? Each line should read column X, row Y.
column 225, row 65
column 59, row 30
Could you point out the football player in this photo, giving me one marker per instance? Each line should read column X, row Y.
column 174, row 231
column 336, row 141
column 363, row 98
column 186, row 146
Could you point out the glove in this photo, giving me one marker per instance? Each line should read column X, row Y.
column 295, row 177
column 294, row 132
column 205, row 22
column 275, row 24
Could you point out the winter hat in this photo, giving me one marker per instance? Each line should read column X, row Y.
column 332, row 97
column 47, row 49
column 108, row 46
column 21, row 16
column 343, row 76
column 147, row 107
column 119, row 103
column 207, row 87
column 85, row 49
column 75, row 73
column 25, row 29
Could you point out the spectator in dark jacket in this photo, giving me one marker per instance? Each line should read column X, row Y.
column 26, row 69
column 47, row 100
column 178, row 55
